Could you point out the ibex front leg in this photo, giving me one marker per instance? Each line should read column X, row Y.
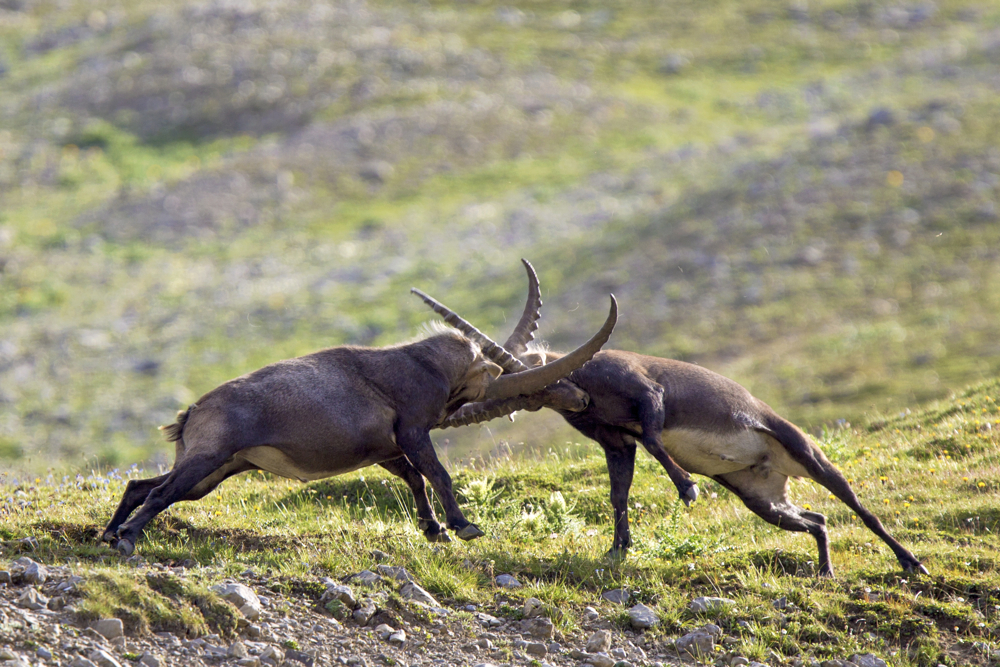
column 416, row 444
column 652, row 417
column 619, row 452
column 433, row 531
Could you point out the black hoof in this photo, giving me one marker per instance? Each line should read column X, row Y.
column 109, row 536
column 440, row 536
column 915, row 567
column 470, row 532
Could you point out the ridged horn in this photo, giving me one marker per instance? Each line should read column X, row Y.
column 524, row 332
column 476, row 413
column 536, row 379
column 508, row 362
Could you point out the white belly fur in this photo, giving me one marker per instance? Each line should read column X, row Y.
column 709, row 453
column 275, row 461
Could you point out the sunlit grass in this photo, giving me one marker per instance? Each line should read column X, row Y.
column 930, row 475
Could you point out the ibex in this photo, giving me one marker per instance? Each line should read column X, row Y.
column 709, row 424
column 335, row 411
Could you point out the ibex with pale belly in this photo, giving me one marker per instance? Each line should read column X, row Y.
column 685, row 414
column 338, row 410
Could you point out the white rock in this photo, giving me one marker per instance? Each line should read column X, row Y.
column 642, row 617
column 697, row 644
column 412, row 591
column 396, row 572
column 340, row 592
column 365, row 578
column 102, row 658
column 538, row 627
column 617, row 596
column 398, row 638
column 238, row 650
column 383, row 630
column 703, row 604
column 110, row 627
column 507, row 581
column 273, row 653
column 150, row 660
column 242, row 597
column 29, row 571
column 32, row 599
column 80, row 661
column 364, row 612
column 532, row 607
column 601, row 660
column 599, row 642
column 867, row 660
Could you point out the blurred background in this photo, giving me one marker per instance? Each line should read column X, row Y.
column 801, row 195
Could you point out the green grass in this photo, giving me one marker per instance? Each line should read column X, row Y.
column 930, row 474
column 712, row 164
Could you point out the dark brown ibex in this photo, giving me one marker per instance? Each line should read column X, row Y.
column 335, row 411
column 709, row 424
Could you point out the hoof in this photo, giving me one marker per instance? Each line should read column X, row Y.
column 915, row 567
column 470, row 532
column 109, row 536
column 125, row 547
column 690, row 495
column 440, row 536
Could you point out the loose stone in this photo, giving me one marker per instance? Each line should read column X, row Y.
column 110, row 627
column 395, row 572
column 242, row 597
column 642, row 617
column 599, row 642
column 705, row 604
column 532, row 607
column 412, row 591
column 697, row 644
column 102, row 658
column 616, row 596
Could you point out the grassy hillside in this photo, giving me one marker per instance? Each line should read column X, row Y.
column 801, row 196
column 931, row 475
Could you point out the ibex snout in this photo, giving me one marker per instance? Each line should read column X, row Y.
column 565, row 395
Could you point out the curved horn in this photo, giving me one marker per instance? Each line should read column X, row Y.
column 523, row 333
column 491, row 350
column 476, row 413
column 535, row 379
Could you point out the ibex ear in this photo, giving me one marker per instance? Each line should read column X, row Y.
column 493, row 369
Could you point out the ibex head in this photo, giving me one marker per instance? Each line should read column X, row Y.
column 559, row 394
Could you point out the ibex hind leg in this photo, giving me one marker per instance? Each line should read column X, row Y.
column 766, row 497
column 834, row 480
column 190, row 479
column 135, row 494
column 433, row 531
column 821, row 470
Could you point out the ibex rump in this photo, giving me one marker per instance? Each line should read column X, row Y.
column 705, row 422
column 332, row 412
